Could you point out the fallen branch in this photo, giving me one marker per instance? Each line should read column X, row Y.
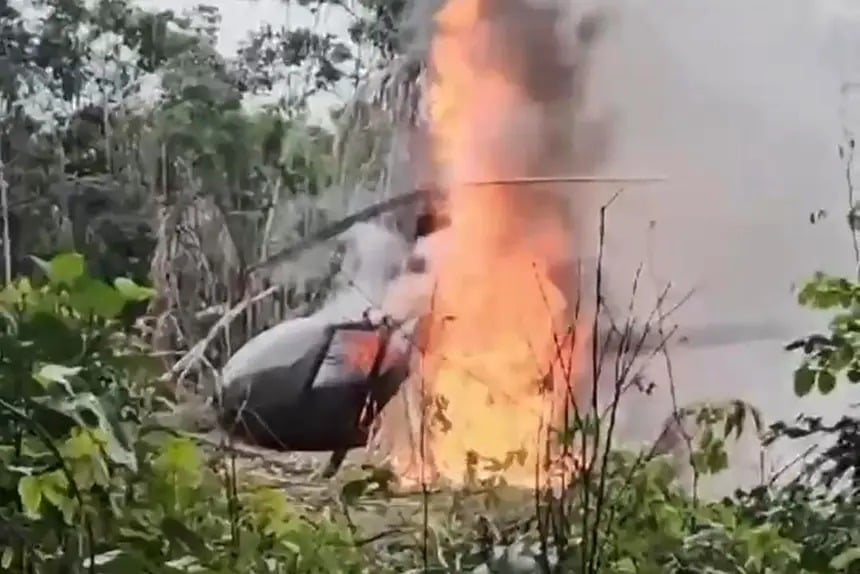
column 193, row 356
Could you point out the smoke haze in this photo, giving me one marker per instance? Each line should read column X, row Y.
column 738, row 104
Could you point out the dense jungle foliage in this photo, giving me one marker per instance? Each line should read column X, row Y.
column 96, row 173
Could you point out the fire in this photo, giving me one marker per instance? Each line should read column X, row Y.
column 495, row 311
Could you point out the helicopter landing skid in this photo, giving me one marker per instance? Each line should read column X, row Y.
column 334, row 463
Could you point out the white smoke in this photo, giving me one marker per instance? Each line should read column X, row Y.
column 738, row 103
column 373, row 256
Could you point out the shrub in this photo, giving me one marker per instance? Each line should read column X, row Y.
column 89, row 483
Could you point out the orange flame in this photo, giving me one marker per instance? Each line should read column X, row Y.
column 495, row 311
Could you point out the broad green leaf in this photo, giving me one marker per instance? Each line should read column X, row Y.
column 718, row 459
column 846, row 559
column 249, row 548
column 181, row 458
column 30, row 491
column 804, row 379
column 66, row 268
column 94, row 297
column 132, row 291
column 54, row 489
column 842, row 358
column 56, row 374
column 15, row 293
column 83, row 474
column 826, row 382
column 83, row 450
column 79, row 445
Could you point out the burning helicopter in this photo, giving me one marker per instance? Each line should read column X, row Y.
column 317, row 383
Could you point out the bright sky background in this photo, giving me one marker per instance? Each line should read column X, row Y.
column 239, row 17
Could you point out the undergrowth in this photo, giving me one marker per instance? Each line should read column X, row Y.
column 90, row 482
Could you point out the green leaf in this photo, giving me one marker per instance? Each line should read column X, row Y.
column 15, row 293
column 53, row 487
column 180, row 457
column 804, row 379
column 132, row 291
column 249, row 548
column 718, row 459
column 30, row 491
column 66, row 268
column 843, row 357
column 56, row 374
column 92, row 297
column 826, row 382
column 846, row 559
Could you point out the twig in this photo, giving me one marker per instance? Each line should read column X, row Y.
column 787, row 466
column 380, row 536
column 4, row 200
column 670, row 374
column 852, row 205
column 596, row 369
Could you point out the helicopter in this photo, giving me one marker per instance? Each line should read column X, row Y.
column 291, row 387
column 297, row 387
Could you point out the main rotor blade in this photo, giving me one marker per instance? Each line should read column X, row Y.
column 562, row 179
column 338, row 227
column 427, row 192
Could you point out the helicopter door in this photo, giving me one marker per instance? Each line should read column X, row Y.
column 349, row 357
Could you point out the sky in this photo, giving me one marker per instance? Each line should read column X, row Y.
column 241, row 17
column 838, row 19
